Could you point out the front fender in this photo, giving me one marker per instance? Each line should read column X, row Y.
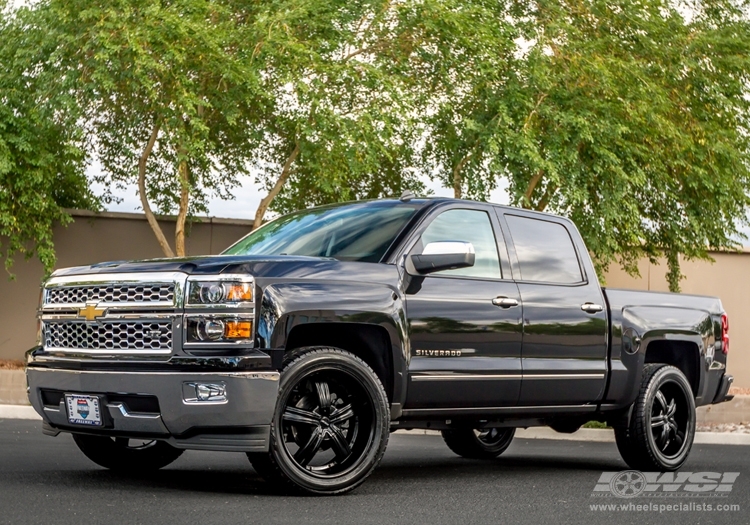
column 283, row 306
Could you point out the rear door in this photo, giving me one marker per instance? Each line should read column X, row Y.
column 465, row 344
column 564, row 352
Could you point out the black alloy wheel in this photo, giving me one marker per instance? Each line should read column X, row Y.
column 331, row 424
column 486, row 443
column 669, row 419
column 661, row 430
column 125, row 454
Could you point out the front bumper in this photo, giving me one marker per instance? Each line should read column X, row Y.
column 152, row 404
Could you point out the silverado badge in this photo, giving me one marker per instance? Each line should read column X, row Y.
column 91, row 312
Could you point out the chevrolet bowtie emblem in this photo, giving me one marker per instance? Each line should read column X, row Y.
column 91, row 312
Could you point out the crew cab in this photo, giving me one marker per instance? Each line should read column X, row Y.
column 309, row 340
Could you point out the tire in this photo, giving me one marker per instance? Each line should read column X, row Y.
column 126, row 455
column 661, row 430
column 478, row 444
column 330, row 427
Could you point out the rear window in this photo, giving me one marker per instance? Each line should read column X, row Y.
column 545, row 251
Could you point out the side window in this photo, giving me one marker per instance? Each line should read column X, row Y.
column 545, row 251
column 472, row 226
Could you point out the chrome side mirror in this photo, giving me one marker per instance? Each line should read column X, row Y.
column 444, row 255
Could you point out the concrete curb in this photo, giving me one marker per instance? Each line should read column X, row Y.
column 13, row 387
column 18, row 412
column 585, row 434
column 603, row 435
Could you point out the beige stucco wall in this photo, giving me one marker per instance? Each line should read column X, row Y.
column 728, row 278
column 89, row 239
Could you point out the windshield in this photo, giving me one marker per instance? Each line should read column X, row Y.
column 352, row 232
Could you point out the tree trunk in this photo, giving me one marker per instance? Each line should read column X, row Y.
column 530, row 189
column 457, row 169
column 548, row 194
column 266, row 201
column 144, row 198
column 179, row 230
column 674, row 275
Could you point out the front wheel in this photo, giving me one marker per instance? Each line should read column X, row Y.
column 662, row 425
column 127, row 455
column 484, row 443
column 330, row 427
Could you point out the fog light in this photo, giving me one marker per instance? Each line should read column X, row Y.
column 213, row 330
column 204, row 392
column 218, row 329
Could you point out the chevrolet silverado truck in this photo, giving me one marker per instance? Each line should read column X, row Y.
column 309, row 340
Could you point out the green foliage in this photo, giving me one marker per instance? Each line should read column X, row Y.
column 626, row 116
column 185, row 96
column 595, row 424
column 641, row 136
column 41, row 153
column 629, row 117
column 342, row 112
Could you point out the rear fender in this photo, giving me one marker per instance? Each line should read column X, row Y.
column 638, row 327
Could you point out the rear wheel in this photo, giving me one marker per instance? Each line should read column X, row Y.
column 331, row 424
column 660, row 433
column 127, row 455
column 484, row 443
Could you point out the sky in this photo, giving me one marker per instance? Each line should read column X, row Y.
column 250, row 193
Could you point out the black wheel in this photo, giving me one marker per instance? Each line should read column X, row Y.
column 662, row 424
column 330, row 427
column 127, row 455
column 484, row 443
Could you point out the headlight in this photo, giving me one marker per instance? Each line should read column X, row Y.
column 220, row 292
column 215, row 329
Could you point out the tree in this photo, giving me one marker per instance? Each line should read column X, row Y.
column 341, row 128
column 181, row 98
column 42, row 156
column 630, row 118
column 469, row 67
column 168, row 94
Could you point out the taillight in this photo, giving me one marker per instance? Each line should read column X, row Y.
column 725, row 333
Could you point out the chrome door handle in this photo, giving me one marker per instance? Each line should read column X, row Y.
column 504, row 302
column 591, row 308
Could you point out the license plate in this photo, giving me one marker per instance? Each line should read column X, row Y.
column 83, row 410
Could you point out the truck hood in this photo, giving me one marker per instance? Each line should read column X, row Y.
column 284, row 266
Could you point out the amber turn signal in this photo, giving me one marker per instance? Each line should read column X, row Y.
column 238, row 330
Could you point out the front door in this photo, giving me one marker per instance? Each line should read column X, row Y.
column 465, row 324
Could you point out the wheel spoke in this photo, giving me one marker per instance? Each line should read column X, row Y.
column 298, row 415
column 662, row 401
column 307, row 453
column 657, row 421
column 324, row 395
column 665, row 437
column 342, row 414
column 340, row 445
column 671, row 408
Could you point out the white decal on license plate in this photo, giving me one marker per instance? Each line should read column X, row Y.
column 83, row 410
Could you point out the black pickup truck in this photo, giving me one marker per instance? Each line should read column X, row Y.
column 309, row 340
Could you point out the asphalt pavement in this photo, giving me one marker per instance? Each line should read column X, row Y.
column 47, row 480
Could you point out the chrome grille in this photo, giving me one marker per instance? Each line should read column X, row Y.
column 129, row 336
column 112, row 293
